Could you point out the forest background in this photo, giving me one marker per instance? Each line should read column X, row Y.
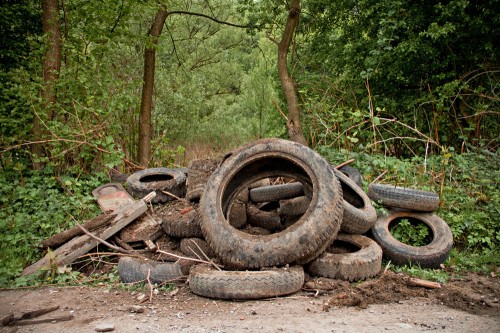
column 408, row 89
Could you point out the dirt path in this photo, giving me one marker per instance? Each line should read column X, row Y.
column 385, row 304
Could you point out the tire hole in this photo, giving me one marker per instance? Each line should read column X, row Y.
column 411, row 231
column 156, row 178
column 351, row 196
column 340, row 246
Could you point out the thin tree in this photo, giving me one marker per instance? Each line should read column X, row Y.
column 287, row 83
column 145, row 127
column 51, row 67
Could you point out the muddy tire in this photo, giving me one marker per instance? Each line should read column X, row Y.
column 276, row 192
column 143, row 182
column 360, row 259
column 428, row 256
column 353, row 174
column 359, row 214
column 301, row 242
column 237, row 211
column 399, row 197
column 209, row 282
column 191, row 248
column 181, row 220
column 261, row 218
column 133, row 270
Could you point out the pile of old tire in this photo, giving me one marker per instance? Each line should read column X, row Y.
column 417, row 206
column 268, row 212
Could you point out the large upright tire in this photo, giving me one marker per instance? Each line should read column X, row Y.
column 359, row 214
column 405, row 198
column 301, row 242
column 160, row 180
column 209, row 282
column 428, row 256
column 340, row 262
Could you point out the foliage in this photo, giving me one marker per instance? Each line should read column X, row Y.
column 33, row 207
column 410, row 233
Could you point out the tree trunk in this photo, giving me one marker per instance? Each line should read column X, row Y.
column 145, row 127
column 50, row 68
column 293, row 124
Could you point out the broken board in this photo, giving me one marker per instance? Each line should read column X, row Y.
column 78, row 246
column 110, row 197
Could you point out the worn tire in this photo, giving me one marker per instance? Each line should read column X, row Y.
column 276, row 192
column 428, row 256
column 133, row 270
column 209, row 282
column 359, row 214
column 364, row 262
column 181, row 220
column 262, row 218
column 189, row 246
column 143, row 182
column 353, row 174
column 399, row 197
column 301, row 242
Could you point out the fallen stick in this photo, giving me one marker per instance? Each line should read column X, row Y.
column 11, row 319
column 111, row 246
column 43, row 321
column 345, row 163
column 424, row 283
column 66, row 235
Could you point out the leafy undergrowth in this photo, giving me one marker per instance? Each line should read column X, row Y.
column 35, row 206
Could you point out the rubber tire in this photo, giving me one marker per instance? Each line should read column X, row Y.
column 364, row 263
column 181, row 223
column 428, row 256
column 243, row 285
column 269, row 220
column 191, row 250
column 359, row 213
column 175, row 183
column 133, row 270
column 353, row 174
column 405, row 198
column 301, row 242
column 276, row 192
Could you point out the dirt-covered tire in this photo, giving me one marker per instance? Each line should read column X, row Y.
column 301, row 242
column 143, row 182
column 359, row 214
column 181, row 220
column 261, row 218
column 406, row 198
column 428, row 256
column 133, row 270
column 276, row 192
column 360, row 259
column 192, row 246
column 237, row 210
column 353, row 174
column 209, row 282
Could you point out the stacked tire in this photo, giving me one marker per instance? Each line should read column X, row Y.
column 418, row 206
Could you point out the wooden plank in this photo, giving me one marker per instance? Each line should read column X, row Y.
column 78, row 246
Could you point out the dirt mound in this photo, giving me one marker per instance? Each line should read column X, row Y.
column 474, row 293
